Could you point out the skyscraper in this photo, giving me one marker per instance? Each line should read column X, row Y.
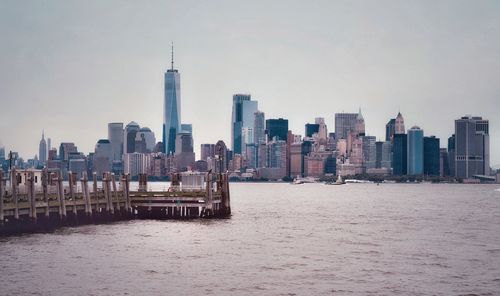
column 400, row 155
column 383, row 150
column 360, row 124
column 277, row 128
column 344, row 124
column 369, row 151
column 451, row 154
column 207, row 150
column 322, row 129
column 42, row 150
column 115, row 137
column 399, row 127
column 311, row 129
column 390, row 129
column 145, row 141
column 243, row 117
column 472, row 147
column 129, row 134
column 415, row 151
column 172, row 108
column 259, row 129
column 431, row 156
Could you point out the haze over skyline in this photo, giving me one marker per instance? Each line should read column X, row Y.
column 72, row 67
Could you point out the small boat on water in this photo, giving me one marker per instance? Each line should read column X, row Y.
column 338, row 182
column 300, row 180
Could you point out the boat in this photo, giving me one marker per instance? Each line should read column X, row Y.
column 300, row 180
column 338, row 182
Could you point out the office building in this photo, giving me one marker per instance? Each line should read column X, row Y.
column 472, row 147
column 42, row 150
column 115, row 137
column 431, row 156
column 277, row 129
column 344, row 124
column 415, row 151
column 400, row 155
column 206, row 151
column 172, row 108
column 129, row 135
column 311, row 129
column 243, row 117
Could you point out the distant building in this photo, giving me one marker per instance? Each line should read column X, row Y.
column 384, row 155
column 103, row 157
column 444, row 165
column 65, row 149
column 298, row 152
column 360, row 124
column 243, row 116
column 311, row 129
column 415, row 151
column 259, row 128
column 322, row 128
column 277, row 128
column 172, row 108
column 344, row 124
column 129, row 135
column 206, row 151
column 369, row 152
column 145, row 141
column 42, row 150
column 472, row 147
column 431, row 156
column 184, row 153
column 451, row 155
column 187, row 128
column 390, row 129
column 136, row 163
column 400, row 155
column 400, row 124
column 222, row 157
column 115, row 136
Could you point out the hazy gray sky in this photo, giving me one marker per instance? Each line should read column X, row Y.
column 73, row 66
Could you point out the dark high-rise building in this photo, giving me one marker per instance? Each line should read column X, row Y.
column 444, row 165
column 390, row 129
column 472, row 147
column 222, row 157
column 400, row 155
column 311, row 129
column 431, row 156
column 115, row 136
column 451, row 155
column 42, row 150
column 277, row 128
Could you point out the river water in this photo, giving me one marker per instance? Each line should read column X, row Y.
column 310, row 239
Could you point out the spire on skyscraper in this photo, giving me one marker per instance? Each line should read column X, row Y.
column 172, row 53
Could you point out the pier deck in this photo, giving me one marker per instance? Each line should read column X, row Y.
column 27, row 207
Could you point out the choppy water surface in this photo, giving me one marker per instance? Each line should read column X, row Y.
column 309, row 239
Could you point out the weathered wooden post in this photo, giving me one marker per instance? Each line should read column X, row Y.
column 31, row 194
column 45, row 183
column 62, row 198
column 85, row 192
column 125, row 188
column 13, row 181
column 71, row 179
column 2, row 193
column 115, row 193
column 107, row 193
column 96, row 194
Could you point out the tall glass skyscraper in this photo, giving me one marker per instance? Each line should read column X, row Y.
column 415, row 151
column 472, row 147
column 243, row 119
column 172, row 108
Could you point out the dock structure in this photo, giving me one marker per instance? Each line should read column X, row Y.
column 39, row 200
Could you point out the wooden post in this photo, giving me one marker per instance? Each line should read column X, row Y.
column 107, row 193
column 71, row 191
column 13, row 181
column 62, row 198
column 96, row 194
column 85, row 192
column 125, row 186
column 2, row 193
column 115, row 192
column 31, row 194
column 45, row 181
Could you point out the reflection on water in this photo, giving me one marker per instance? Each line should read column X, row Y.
column 310, row 239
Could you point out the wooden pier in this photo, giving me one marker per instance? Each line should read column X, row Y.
column 33, row 201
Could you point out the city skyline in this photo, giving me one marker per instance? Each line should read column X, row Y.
column 325, row 91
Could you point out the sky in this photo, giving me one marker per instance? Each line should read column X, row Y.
column 71, row 67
